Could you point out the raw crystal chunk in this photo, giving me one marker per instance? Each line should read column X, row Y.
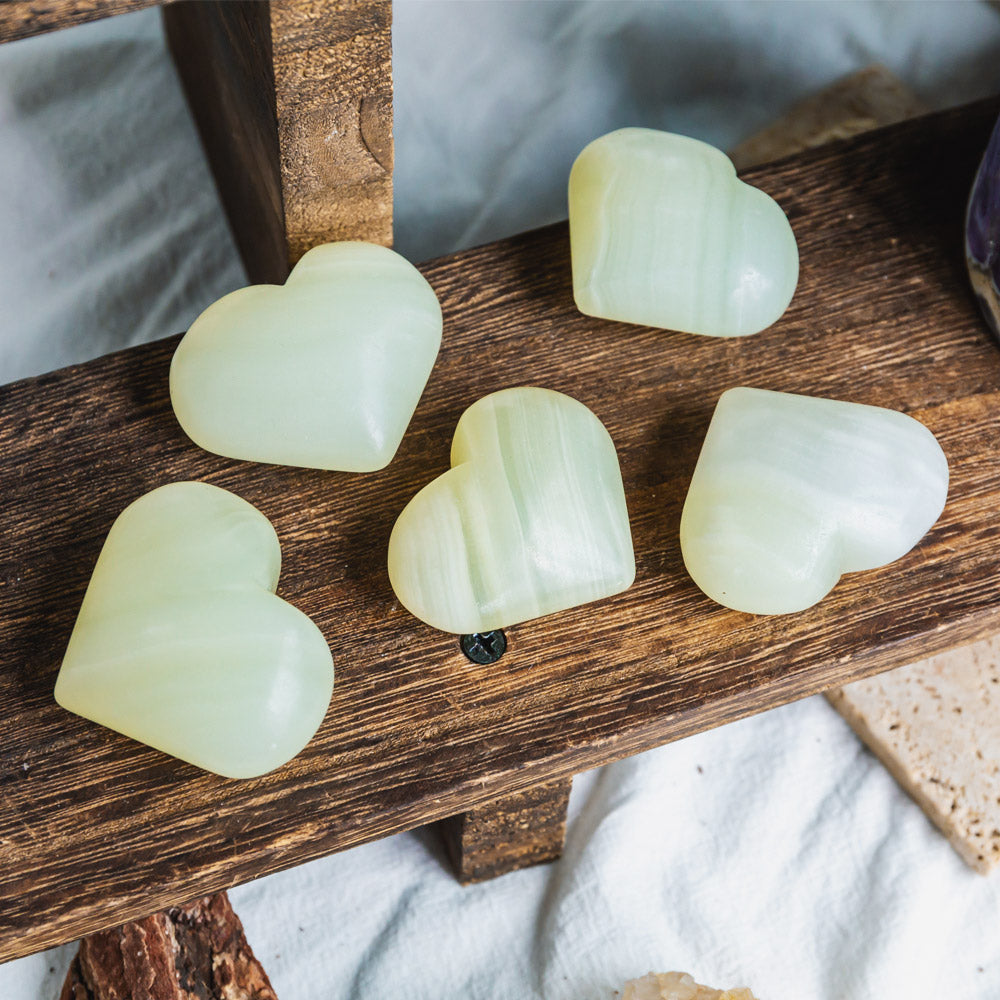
column 663, row 233
column 792, row 491
column 324, row 372
column 677, row 986
column 982, row 233
column 530, row 519
column 181, row 642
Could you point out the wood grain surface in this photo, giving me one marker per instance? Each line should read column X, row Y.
column 96, row 829
column 333, row 94
column 508, row 834
column 293, row 100
column 24, row 18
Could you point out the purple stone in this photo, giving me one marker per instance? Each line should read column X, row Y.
column 982, row 233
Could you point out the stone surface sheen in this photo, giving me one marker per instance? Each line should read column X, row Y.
column 323, row 372
column 530, row 519
column 982, row 233
column 182, row 644
column 664, row 234
column 792, row 491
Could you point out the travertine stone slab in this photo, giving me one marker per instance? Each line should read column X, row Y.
column 678, row 986
column 935, row 724
column 864, row 100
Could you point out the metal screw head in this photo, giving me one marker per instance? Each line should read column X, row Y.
column 484, row 647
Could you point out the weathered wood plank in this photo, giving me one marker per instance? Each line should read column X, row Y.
column 24, row 18
column 508, row 834
column 333, row 90
column 293, row 100
column 95, row 829
column 223, row 55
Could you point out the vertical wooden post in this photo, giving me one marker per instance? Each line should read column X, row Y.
column 510, row 833
column 333, row 87
column 293, row 99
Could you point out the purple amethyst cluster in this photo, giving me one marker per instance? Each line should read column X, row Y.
column 982, row 233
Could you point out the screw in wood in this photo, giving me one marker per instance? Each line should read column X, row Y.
column 484, row 647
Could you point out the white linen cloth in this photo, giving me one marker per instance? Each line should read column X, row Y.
column 775, row 852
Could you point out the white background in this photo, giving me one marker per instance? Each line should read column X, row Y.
column 775, row 852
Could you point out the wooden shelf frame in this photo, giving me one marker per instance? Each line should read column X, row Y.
column 96, row 829
column 293, row 100
column 27, row 18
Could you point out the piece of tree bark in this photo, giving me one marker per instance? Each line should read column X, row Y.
column 192, row 952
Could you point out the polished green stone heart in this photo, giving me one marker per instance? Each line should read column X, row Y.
column 792, row 491
column 663, row 233
column 182, row 644
column 530, row 519
column 323, row 372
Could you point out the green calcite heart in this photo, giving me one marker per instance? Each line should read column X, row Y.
column 323, row 372
column 530, row 519
column 182, row 644
column 792, row 491
column 663, row 233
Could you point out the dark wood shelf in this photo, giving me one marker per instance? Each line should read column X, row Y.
column 24, row 18
column 96, row 829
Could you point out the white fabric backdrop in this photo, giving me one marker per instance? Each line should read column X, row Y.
column 775, row 852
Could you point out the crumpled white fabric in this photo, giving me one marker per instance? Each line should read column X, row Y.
column 775, row 852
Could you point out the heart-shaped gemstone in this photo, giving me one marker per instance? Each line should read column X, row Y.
column 324, row 372
column 530, row 519
column 182, row 644
column 662, row 233
column 792, row 491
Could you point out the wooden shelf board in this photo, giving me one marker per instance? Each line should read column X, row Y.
column 24, row 18
column 96, row 829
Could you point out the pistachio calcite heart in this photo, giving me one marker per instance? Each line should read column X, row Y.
column 789, row 492
column 664, row 234
column 182, row 644
column 530, row 519
column 323, row 372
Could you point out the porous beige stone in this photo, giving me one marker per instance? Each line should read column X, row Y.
column 678, row 986
column 935, row 724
